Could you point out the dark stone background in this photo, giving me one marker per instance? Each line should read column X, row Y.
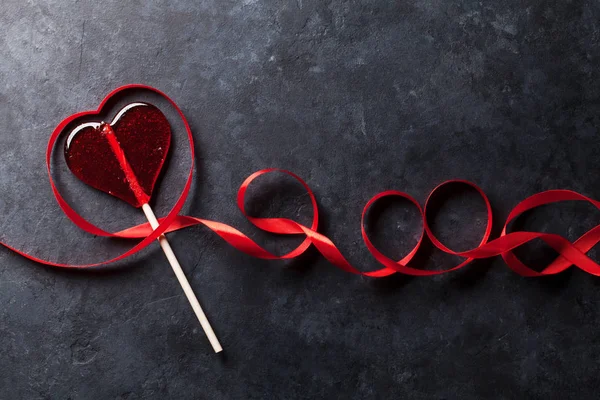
column 355, row 97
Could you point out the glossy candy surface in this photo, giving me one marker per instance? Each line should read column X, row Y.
column 123, row 158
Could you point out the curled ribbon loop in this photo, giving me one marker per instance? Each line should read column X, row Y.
column 437, row 243
column 569, row 253
column 391, row 266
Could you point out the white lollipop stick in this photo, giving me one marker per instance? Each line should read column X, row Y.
column 185, row 285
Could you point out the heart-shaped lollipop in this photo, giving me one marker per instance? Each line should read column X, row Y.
column 124, row 158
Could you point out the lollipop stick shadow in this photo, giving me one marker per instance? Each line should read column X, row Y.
column 185, row 285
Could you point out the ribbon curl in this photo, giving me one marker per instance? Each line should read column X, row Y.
column 569, row 253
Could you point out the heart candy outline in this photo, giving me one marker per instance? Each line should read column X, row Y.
column 82, row 223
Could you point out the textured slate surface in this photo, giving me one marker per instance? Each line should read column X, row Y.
column 355, row 97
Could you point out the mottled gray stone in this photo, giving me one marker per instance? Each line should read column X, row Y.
column 355, row 97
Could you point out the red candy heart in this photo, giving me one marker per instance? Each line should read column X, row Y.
column 123, row 158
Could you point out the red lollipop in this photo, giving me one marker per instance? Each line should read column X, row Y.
column 124, row 158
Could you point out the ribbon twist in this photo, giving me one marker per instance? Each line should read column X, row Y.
column 569, row 253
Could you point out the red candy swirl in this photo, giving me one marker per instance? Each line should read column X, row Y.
column 569, row 253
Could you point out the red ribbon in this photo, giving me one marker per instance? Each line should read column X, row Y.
column 569, row 253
